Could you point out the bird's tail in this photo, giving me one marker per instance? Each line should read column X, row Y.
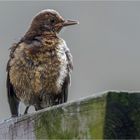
column 12, row 99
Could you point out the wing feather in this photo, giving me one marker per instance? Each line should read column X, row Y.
column 12, row 99
column 63, row 96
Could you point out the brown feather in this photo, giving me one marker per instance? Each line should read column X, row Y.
column 39, row 66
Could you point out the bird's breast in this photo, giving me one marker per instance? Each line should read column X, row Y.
column 50, row 74
column 43, row 72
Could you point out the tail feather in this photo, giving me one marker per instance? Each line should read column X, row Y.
column 12, row 99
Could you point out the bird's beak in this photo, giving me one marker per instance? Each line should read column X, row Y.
column 70, row 22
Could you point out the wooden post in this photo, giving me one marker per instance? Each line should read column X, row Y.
column 111, row 115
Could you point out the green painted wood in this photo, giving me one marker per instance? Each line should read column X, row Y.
column 79, row 120
column 110, row 115
column 122, row 120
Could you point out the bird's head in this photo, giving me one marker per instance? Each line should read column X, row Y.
column 50, row 21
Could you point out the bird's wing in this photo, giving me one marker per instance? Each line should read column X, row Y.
column 68, row 77
column 63, row 96
column 69, row 58
column 12, row 99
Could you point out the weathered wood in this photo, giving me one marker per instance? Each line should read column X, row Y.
column 122, row 116
column 103, row 116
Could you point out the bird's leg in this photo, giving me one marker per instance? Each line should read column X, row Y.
column 26, row 110
column 38, row 108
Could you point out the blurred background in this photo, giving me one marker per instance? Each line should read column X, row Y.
column 105, row 45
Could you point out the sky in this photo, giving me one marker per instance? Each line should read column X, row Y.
column 105, row 45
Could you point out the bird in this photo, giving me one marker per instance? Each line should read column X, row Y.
column 40, row 64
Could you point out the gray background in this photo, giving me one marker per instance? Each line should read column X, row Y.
column 105, row 45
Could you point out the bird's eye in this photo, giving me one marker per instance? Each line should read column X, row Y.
column 52, row 21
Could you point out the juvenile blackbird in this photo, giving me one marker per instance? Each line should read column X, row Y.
column 40, row 64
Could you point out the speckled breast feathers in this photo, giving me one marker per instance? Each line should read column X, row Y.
column 39, row 68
